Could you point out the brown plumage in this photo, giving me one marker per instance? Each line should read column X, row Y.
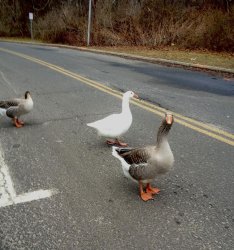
column 144, row 164
column 17, row 107
column 134, row 155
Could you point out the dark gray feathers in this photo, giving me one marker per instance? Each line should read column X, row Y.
column 8, row 104
column 134, row 155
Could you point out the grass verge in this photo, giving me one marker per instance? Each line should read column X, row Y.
column 223, row 60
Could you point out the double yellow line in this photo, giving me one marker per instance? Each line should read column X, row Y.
column 200, row 127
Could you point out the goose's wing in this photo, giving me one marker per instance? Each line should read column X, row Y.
column 138, row 159
column 106, row 122
column 10, row 103
column 135, row 155
column 13, row 111
column 139, row 171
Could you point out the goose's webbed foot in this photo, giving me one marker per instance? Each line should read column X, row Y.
column 20, row 122
column 144, row 195
column 152, row 190
column 16, row 123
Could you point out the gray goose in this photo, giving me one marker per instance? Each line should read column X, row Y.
column 17, row 107
column 144, row 164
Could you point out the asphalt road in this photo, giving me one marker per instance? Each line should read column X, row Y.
column 93, row 206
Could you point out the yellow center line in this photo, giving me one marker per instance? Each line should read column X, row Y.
column 198, row 126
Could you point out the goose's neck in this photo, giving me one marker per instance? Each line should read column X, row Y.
column 162, row 134
column 125, row 106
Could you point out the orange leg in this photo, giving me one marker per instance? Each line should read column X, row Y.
column 144, row 196
column 151, row 190
column 122, row 144
column 110, row 142
column 18, row 125
column 116, row 142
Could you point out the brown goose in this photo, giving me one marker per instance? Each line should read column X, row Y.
column 144, row 164
column 17, row 107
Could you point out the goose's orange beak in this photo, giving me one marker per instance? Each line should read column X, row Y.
column 136, row 96
column 169, row 119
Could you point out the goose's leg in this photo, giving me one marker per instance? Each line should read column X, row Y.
column 116, row 142
column 18, row 125
column 20, row 122
column 144, row 196
column 151, row 190
column 110, row 142
column 119, row 143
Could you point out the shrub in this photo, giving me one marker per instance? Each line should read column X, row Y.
column 149, row 23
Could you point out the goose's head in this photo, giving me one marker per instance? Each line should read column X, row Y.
column 169, row 119
column 27, row 95
column 130, row 94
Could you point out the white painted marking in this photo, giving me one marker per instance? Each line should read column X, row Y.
column 35, row 195
column 8, row 195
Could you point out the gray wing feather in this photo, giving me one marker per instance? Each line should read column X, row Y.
column 138, row 172
column 12, row 112
column 136, row 156
column 9, row 103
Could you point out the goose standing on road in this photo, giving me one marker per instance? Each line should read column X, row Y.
column 144, row 164
column 17, row 107
column 115, row 125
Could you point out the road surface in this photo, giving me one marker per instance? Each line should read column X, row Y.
column 60, row 187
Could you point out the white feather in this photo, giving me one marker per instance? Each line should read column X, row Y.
column 112, row 126
column 125, row 165
column 115, row 125
column 28, row 106
column 2, row 112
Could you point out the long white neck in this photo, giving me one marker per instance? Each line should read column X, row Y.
column 125, row 106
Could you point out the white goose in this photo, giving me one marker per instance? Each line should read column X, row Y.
column 144, row 164
column 115, row 125
column 17, row 107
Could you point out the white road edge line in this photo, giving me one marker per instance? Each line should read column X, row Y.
column 7, row 191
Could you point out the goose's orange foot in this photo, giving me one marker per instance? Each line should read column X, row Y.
column 18, row 125
column 20, row 122
column 151, row 190
column 146, row 196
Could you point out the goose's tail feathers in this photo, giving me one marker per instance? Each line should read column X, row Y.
column 92, row 124
column 2, row 112
column 114, row 152
column 124, row 164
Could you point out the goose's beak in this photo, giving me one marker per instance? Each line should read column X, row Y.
column 169, row 119
column 136, row 96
